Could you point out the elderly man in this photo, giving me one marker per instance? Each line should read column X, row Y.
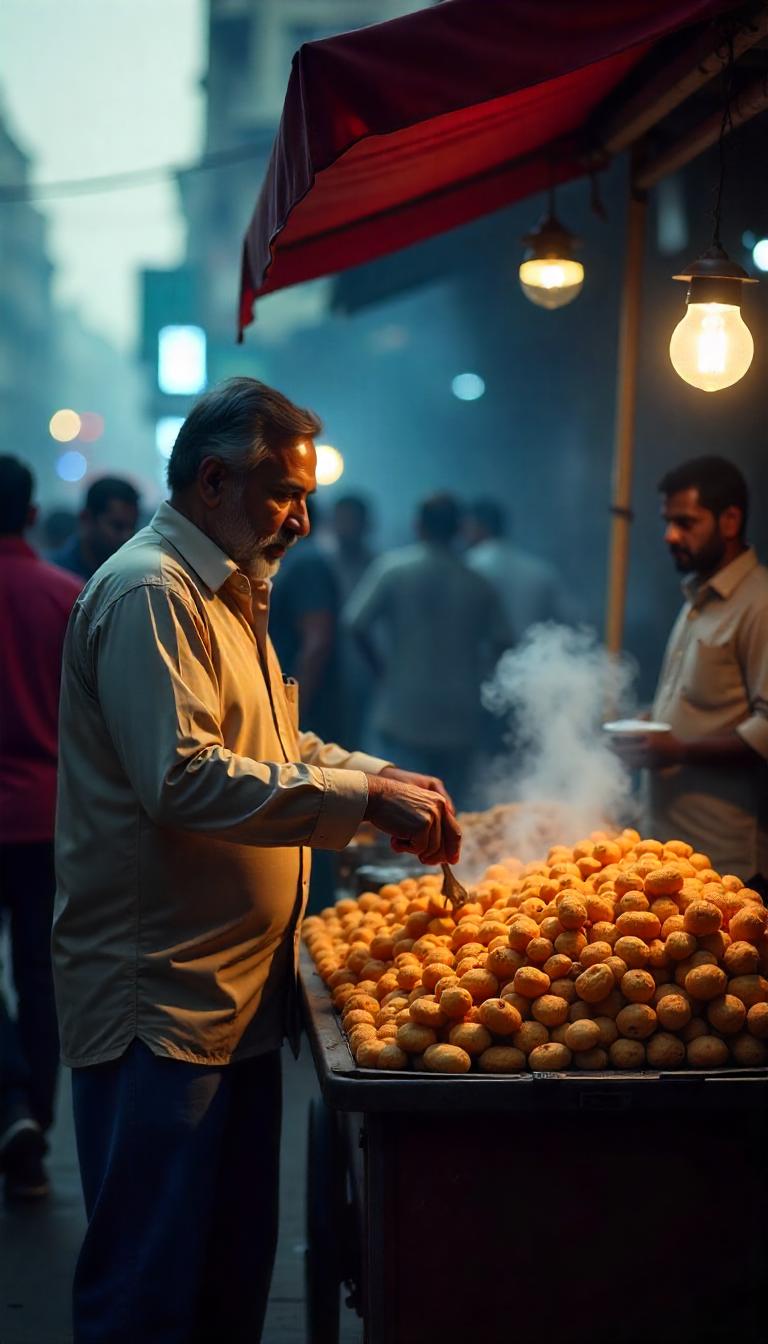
column 707, row 778
column 188, row 804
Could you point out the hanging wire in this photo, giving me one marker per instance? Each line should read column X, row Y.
column 726, row 125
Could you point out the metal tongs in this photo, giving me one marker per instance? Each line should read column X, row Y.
column 453, row 891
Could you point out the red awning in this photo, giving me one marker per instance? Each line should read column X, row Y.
column 396, row 132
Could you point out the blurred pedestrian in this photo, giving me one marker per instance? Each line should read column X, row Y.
column 530, row 588
column 108, row 519
column 431, row 630
column 347, row 544
column 35, row 601
column 57, row 527
column 188, row 806
column 707, row 781
column 304, row 628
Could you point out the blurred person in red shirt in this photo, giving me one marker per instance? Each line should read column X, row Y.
column 35, row 601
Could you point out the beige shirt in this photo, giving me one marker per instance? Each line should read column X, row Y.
column 714, row 679
column 187, row 801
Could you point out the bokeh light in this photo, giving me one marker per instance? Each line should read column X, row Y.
column 71, row 466
column 467, row 386
column 330, row 464
column 181, row 360
column 166, row 432
column 91, row 426
column 760, row 254
column 64, row 426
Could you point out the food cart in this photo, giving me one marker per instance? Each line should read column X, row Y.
column 607, row 1208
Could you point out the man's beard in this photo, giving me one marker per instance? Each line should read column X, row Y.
column 704, row 562
column 239, row 540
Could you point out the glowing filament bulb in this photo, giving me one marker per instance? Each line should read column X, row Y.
column 712, row 346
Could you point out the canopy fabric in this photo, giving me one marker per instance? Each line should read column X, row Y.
column 401, row 130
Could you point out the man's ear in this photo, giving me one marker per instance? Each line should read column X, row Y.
column 731, row 522
column 211, row 477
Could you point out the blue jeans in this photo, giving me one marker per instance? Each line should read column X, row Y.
column 179, row 1164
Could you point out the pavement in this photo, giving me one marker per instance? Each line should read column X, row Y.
column 39, row 1243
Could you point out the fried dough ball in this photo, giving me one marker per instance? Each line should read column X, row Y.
column 595, row 983
column 673, row 1011
column 633, row 950
column 550, row 1009
column 530, row 982
column 582, row 1035
column 426, row 1011
column 501, row 1017
column 632, row 902
column 608, row 1031
column 625, row 1054
column 434, row 972
column 549, row 1058
column 664, row 907
column 357, row 1017
column 749, row 988
column 618, row 967
column 665, row 1051
column 564, row 988
column 530, row 1035
column 727, row 1014
column 387, row 1031
column 446, row 1059
column 392, row 1057
column 557, row 967
column 702, row 917
column 571, row 943
column 572, row 911
column 749, row 924
column 470, row 1036
column 638, row 986
column 637, row 1021
column 610, row 1006
column 604, row 931
column 409, row 976
column 706, row 982
column 680, row 946
column 748, row 1051
column 664, row 881
column 521, row 931
column 638, row 924
column 446, row 982
column 368, row 1052
column 757, row 1020
column 693, row 1029
column 594, row 953
column 594, row 1060
column 501, row 1059
column 481, row 985
column 365, row 1001
column 455, row 1002
column 503, row 962
column 539, row 950
column 707, row 1052
column 414, row 1039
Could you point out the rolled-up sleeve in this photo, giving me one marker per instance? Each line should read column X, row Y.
column 753, row 656
column 159, row 695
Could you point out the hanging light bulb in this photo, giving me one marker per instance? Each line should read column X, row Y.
column 712, row 346
column 549, row 274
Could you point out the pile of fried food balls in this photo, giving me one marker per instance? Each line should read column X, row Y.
column 618, row 952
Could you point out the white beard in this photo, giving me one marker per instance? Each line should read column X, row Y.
column 239, row 540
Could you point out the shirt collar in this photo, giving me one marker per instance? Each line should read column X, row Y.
column 206, row 558
column 725, row 582
column 13, row 545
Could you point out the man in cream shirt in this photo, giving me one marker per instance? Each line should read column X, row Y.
column 707, row 779
column 188, row 804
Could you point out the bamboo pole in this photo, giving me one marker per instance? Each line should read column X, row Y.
column 749, row 103
column 624, row 431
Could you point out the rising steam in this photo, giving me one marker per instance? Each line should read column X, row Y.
column 555, row 689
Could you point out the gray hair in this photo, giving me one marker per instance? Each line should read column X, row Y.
column 241, row 421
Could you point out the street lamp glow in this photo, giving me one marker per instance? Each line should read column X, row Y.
column 330, row 464
column 71, row 466
column 181, row 360
column 64, row 426
column 467, row 386
column 166, row 433
column 760, row 254
column 712, row 346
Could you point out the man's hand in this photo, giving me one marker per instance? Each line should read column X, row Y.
column 418, row 820
column 429, row 782
column 649, row 751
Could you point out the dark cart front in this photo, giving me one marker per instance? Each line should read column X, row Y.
column 589, row 1208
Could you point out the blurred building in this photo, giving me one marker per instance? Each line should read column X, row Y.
column 26, row 335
